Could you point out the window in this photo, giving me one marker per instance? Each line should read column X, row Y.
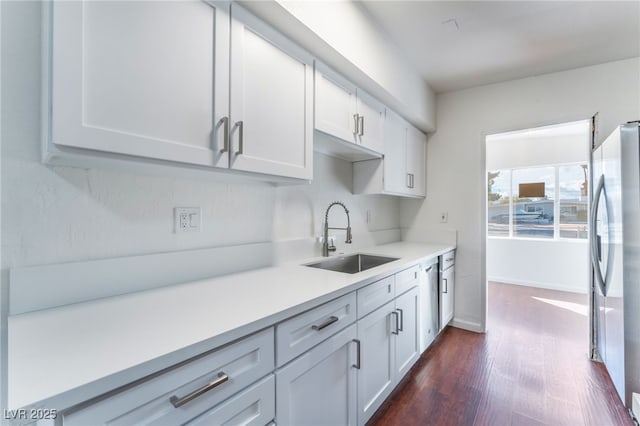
column 538, row 202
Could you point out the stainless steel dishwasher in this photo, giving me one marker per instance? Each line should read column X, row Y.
column 446, row 288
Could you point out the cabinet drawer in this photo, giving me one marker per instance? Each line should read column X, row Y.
column 375, row 295
column 407, row 279
column 253, row 406
column 447, row 260
column 300, row 333
column 242, row 362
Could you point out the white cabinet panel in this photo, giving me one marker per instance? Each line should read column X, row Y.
column 408, row 339
column 416, row 161
column 447, row 289
column 122, row 81
column 319, row 387
column 302, row 332
column 348, row 113
column 335, row 112
column 242, row 362
column 402, row 171
column 428, row 304
column 271, row 100
column 375, row 295
column 376, row 377
column 372, row 113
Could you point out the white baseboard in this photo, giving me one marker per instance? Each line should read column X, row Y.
column 545, row 285
column 467, row 325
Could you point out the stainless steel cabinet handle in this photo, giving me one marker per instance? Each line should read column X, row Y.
column 395, row 314
column 412, row 180
column 449, row 259
column 356, row 124
column 446, row 285
column 401, row 326
column 357, row 364
column 362, row 125
column 408, row 180
column 225, row 148
column 178, row 402
column 428, row 269
column 240, row 125
column 325, row 324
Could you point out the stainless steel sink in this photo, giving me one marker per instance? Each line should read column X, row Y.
column 353, row 263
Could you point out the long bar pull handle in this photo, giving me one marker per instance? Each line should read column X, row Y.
column 408, row 180
column 446, row 285
column 362, row 125
column 397, row 331
column 225, row 148
column 428, row 269
column 325, row 324
column 178, row 402
column 240, row 125
column 356, row 124
column 358, row 359
column 401, row 327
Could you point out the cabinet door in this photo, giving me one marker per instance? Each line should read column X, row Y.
column 271, row 100
column 447, row 283
column 376, row 375
column 335, row 100
column 147, row 79
column 408, row 338
column 416, row 161
column 319, row 387
column 371, row 131
column 428, row 305
column 395, row 154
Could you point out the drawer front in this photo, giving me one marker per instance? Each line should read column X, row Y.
column 255, row 406
column 242, row 362
column 447, row 260
column 407, row 279
column 375, row 295
column 302, row 332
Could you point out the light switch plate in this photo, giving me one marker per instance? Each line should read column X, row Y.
column 187, row 219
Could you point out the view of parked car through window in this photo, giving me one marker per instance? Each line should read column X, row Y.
column 561, row 211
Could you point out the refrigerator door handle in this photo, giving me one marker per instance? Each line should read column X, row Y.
column 595, row 238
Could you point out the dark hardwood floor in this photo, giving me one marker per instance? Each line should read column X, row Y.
column 530, row 368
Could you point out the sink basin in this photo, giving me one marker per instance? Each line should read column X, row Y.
column 353, row 263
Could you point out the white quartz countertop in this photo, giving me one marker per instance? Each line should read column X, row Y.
column 54, row 351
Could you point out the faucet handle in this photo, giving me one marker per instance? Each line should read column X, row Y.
column 331, row 246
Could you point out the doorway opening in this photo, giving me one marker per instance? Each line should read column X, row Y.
column 537, row 219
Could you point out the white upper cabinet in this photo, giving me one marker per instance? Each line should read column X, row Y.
column 370, row 122
column 147, row 79
column 271, row 100
column 152, row 80
column 402, row 171
column 346, row 112
column 416, row 146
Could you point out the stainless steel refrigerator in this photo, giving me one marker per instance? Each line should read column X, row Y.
column 615, row 257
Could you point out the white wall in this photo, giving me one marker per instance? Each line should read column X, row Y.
column 456, row 180
column 343, row 35
column 59, row 214
column 557, row 265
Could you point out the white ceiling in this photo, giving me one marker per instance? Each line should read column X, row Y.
column 459, row 44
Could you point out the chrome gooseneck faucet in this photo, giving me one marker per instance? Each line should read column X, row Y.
column 325, row 244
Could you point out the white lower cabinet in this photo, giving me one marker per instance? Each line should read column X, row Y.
column 377, row 359
column 389, row 346
column 319, row 387
column 191, row 389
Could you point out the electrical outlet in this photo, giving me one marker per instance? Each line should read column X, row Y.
column 187, row 219
column 444, row 217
